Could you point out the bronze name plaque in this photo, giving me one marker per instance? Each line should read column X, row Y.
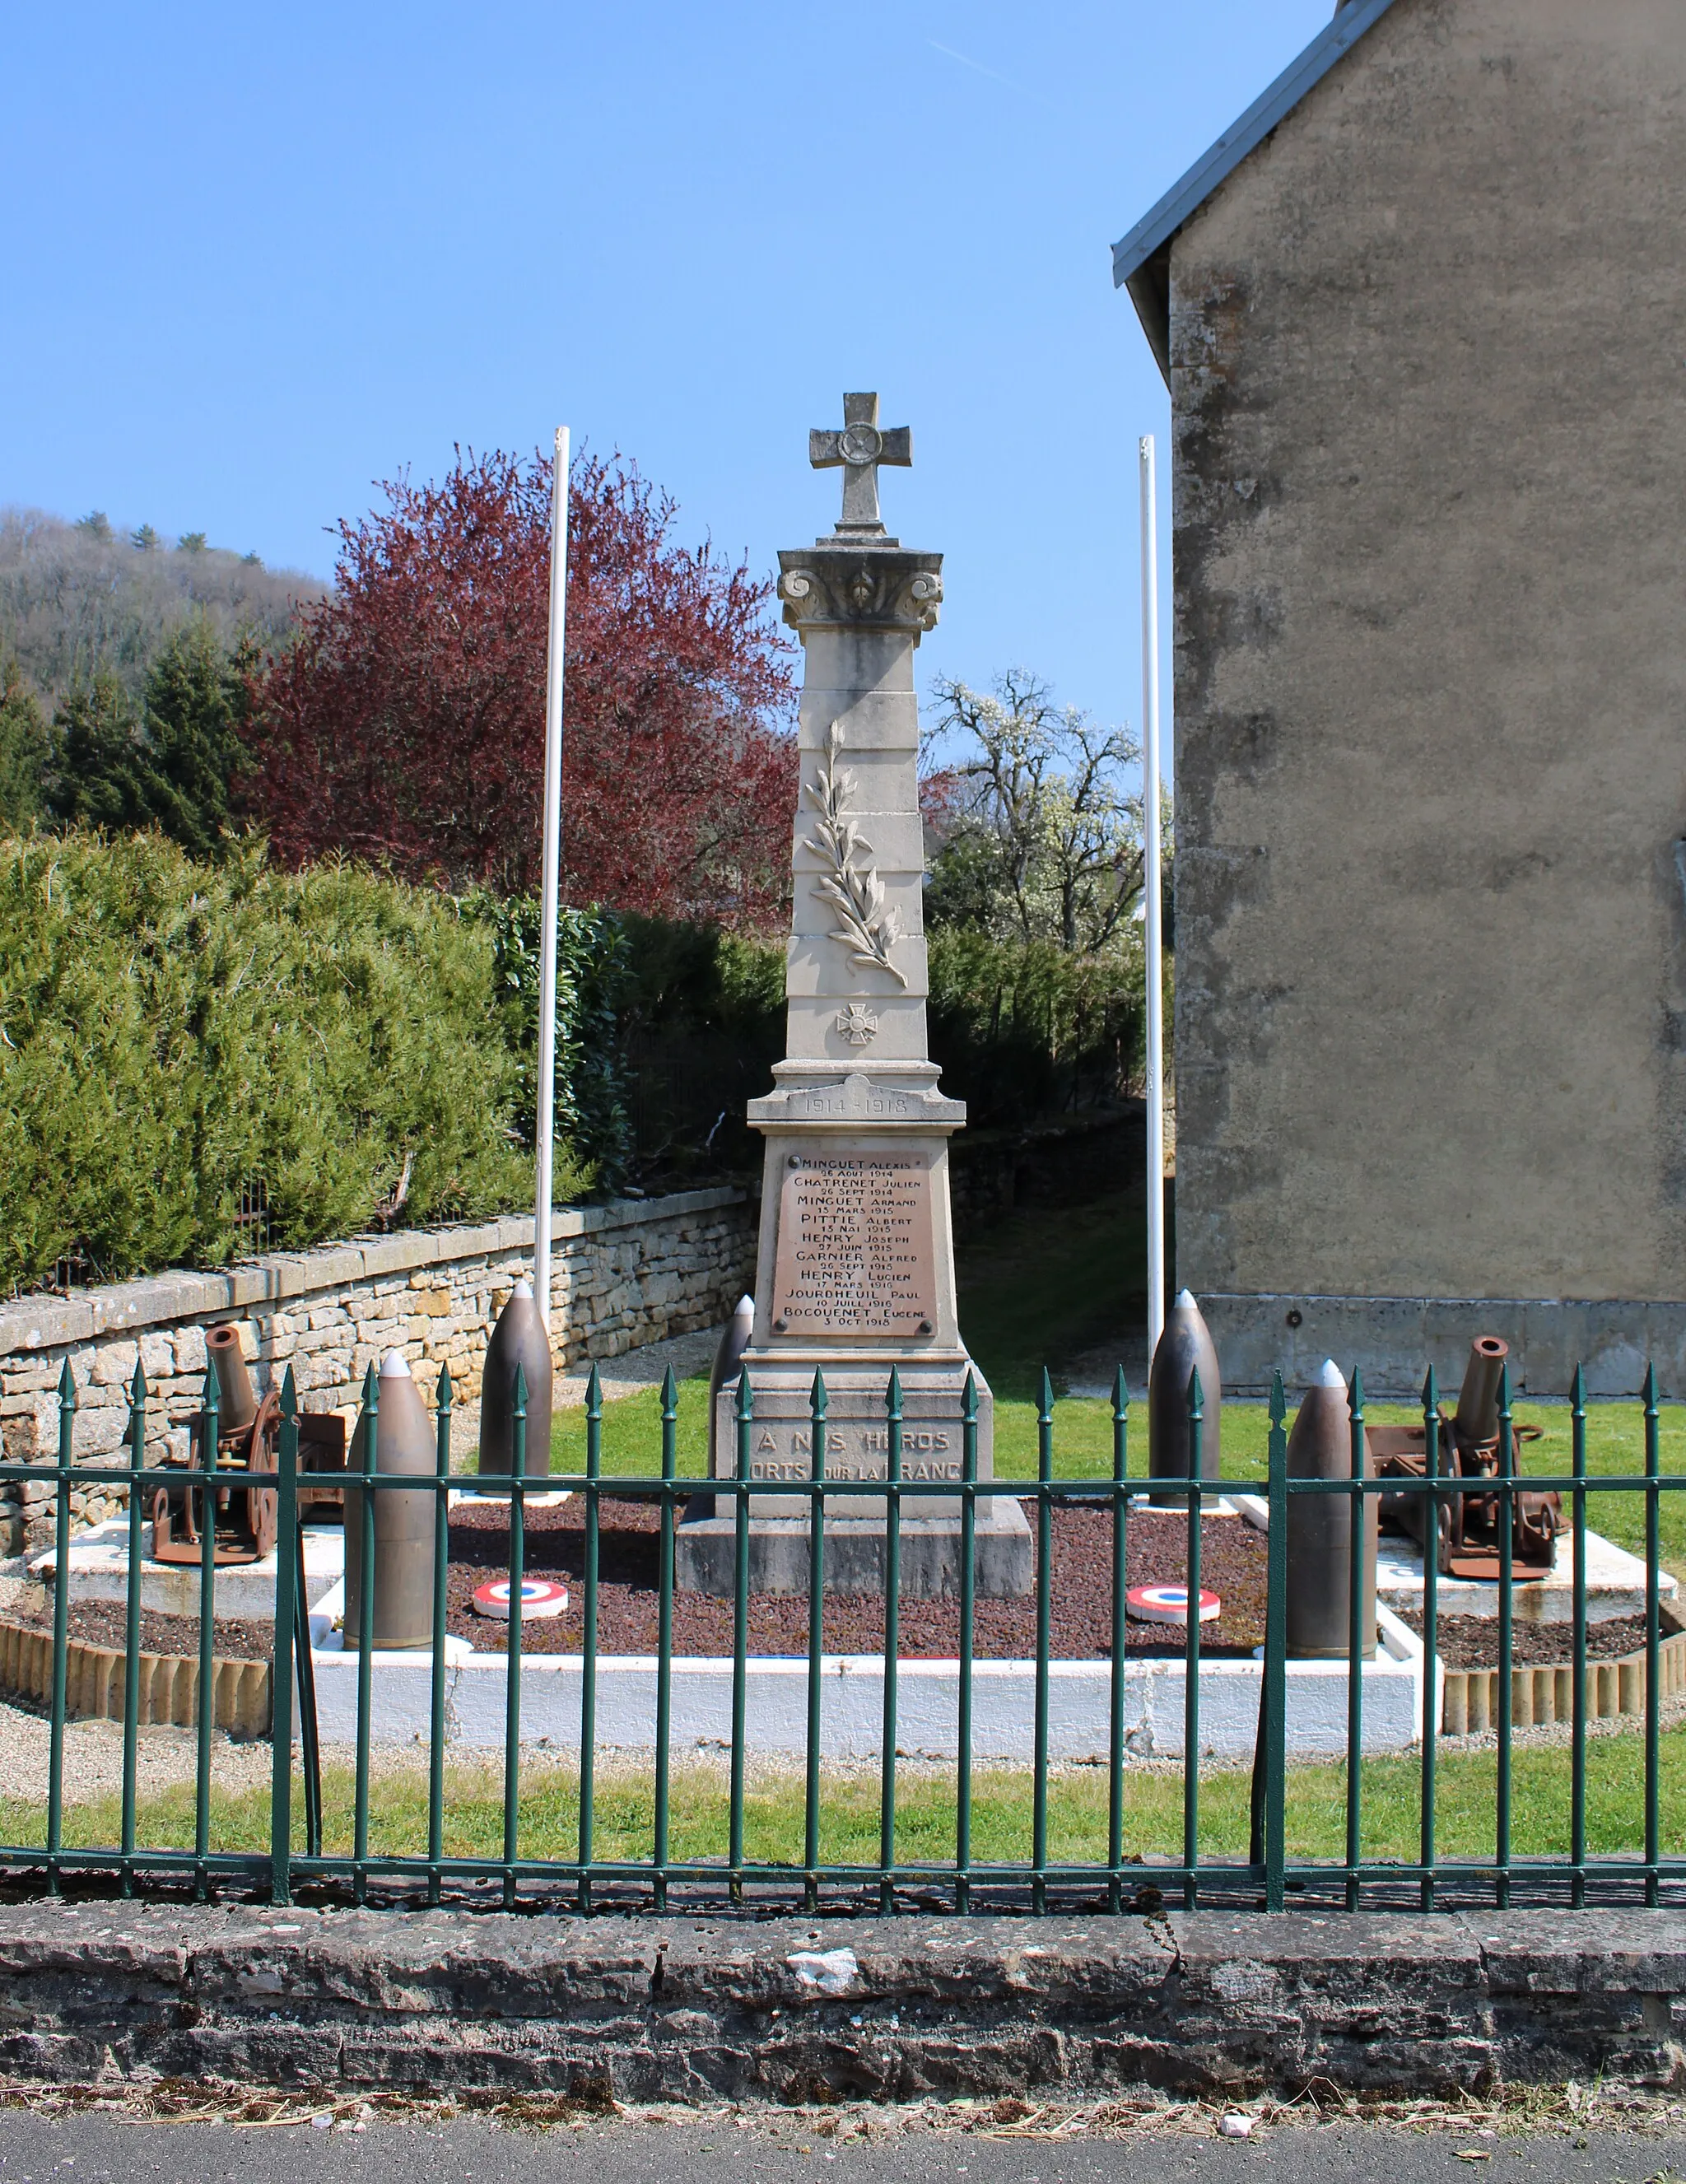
column 856, row 1247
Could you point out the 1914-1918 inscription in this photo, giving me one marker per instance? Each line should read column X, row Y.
column 855, row 1247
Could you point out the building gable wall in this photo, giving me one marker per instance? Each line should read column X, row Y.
column 1428, row 350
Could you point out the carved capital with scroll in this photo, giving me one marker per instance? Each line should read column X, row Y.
column 880, row 587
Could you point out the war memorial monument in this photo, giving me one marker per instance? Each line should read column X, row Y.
column 855, row 1274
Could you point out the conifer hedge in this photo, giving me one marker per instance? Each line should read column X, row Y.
column 169, row 1030
column 172, row 1031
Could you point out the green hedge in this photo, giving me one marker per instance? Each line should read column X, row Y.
column 682, row 1024
column 170, row 1029
column 594, row 972
column 1024, row 1028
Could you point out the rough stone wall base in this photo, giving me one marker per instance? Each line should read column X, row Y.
column 890, row 2008
column 1395, row 1339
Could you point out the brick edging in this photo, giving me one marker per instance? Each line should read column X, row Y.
column 1544, row 1694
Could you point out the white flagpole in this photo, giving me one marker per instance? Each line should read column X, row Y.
column 1152, row 938
column 551, row 882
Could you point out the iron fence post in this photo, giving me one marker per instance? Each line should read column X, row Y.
column 968, row 1615
column 1044, row 1562
column 1115, row 1790
column 1578, row 1734
column 663, row 1725
column 1274, row 1697
column 1191, row 1655
column 131, row 1623
column 442, row 1552
column 816, row 1632
column 1430, row 1632
column 893, row 1604
column 365, row 1628
column 1653, row 1638
column 1507, row 1505
column 512, row 1674
column 210, row 1441
column 282, row 1660
column 740, row 1631
column 588, row 1636
column 1361, row 1644
column 61, row 1626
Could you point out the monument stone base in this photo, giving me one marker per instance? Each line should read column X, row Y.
column 780, row 1555
column 857, row 1451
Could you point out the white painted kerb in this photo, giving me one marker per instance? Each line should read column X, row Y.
column 1004, row 1704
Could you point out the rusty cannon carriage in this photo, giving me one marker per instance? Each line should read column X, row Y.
column 244, row 1514
column 1470, row 1521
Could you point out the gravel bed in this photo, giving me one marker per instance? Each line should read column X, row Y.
column 1234, row 1563
column 1232, row 1555
column 1471, row 1641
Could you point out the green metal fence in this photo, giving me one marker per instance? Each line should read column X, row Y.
column 1267, row 1878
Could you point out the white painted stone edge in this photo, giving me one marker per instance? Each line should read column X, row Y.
column 1080, row 1701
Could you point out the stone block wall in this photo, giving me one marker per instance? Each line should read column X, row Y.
column 634, row 1271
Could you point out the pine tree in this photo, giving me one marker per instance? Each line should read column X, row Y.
column 23, row 747
column 167, row 766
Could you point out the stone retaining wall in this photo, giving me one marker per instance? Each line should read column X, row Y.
column 805, row 2010
column 634, row 1271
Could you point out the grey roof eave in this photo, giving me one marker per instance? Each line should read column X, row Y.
column 1141, row 258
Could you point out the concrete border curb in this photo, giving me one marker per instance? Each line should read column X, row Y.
column 1544, row 1695
column 168, row 1683
column 681, row 2008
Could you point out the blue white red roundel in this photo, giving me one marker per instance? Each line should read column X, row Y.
column 1168, row 1603
column 539, row 1597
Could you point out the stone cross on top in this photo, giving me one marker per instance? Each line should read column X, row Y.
column 860, row 448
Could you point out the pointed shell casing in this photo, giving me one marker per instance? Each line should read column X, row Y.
column 1320, row 1534
column 519, row 1338
column 404, row 1446
column 1184, row 1346
column 733, row 1342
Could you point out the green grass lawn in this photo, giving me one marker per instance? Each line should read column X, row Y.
column 1046, row 1287
column 1001, row 1817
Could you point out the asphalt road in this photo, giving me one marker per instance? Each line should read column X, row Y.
column 99, row 2149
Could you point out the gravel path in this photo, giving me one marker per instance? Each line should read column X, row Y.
column 640, row 1368
column 93, row 1758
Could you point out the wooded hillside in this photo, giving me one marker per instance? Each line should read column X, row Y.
column 80, row 599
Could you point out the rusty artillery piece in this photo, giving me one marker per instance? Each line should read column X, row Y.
column 1470, row 1522
column 243, row 1515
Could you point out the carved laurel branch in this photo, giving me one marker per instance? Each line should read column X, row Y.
column 854, row 893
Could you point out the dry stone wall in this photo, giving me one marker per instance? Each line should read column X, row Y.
column 634, row 1271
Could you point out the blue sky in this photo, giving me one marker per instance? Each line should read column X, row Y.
column 259, row 258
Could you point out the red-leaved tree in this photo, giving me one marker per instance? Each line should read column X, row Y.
column 406, row 724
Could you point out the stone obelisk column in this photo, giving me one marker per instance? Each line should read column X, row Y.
column 856, row 1270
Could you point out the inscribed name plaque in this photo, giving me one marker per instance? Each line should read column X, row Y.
column 856, row 1251
column 780, row 1447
